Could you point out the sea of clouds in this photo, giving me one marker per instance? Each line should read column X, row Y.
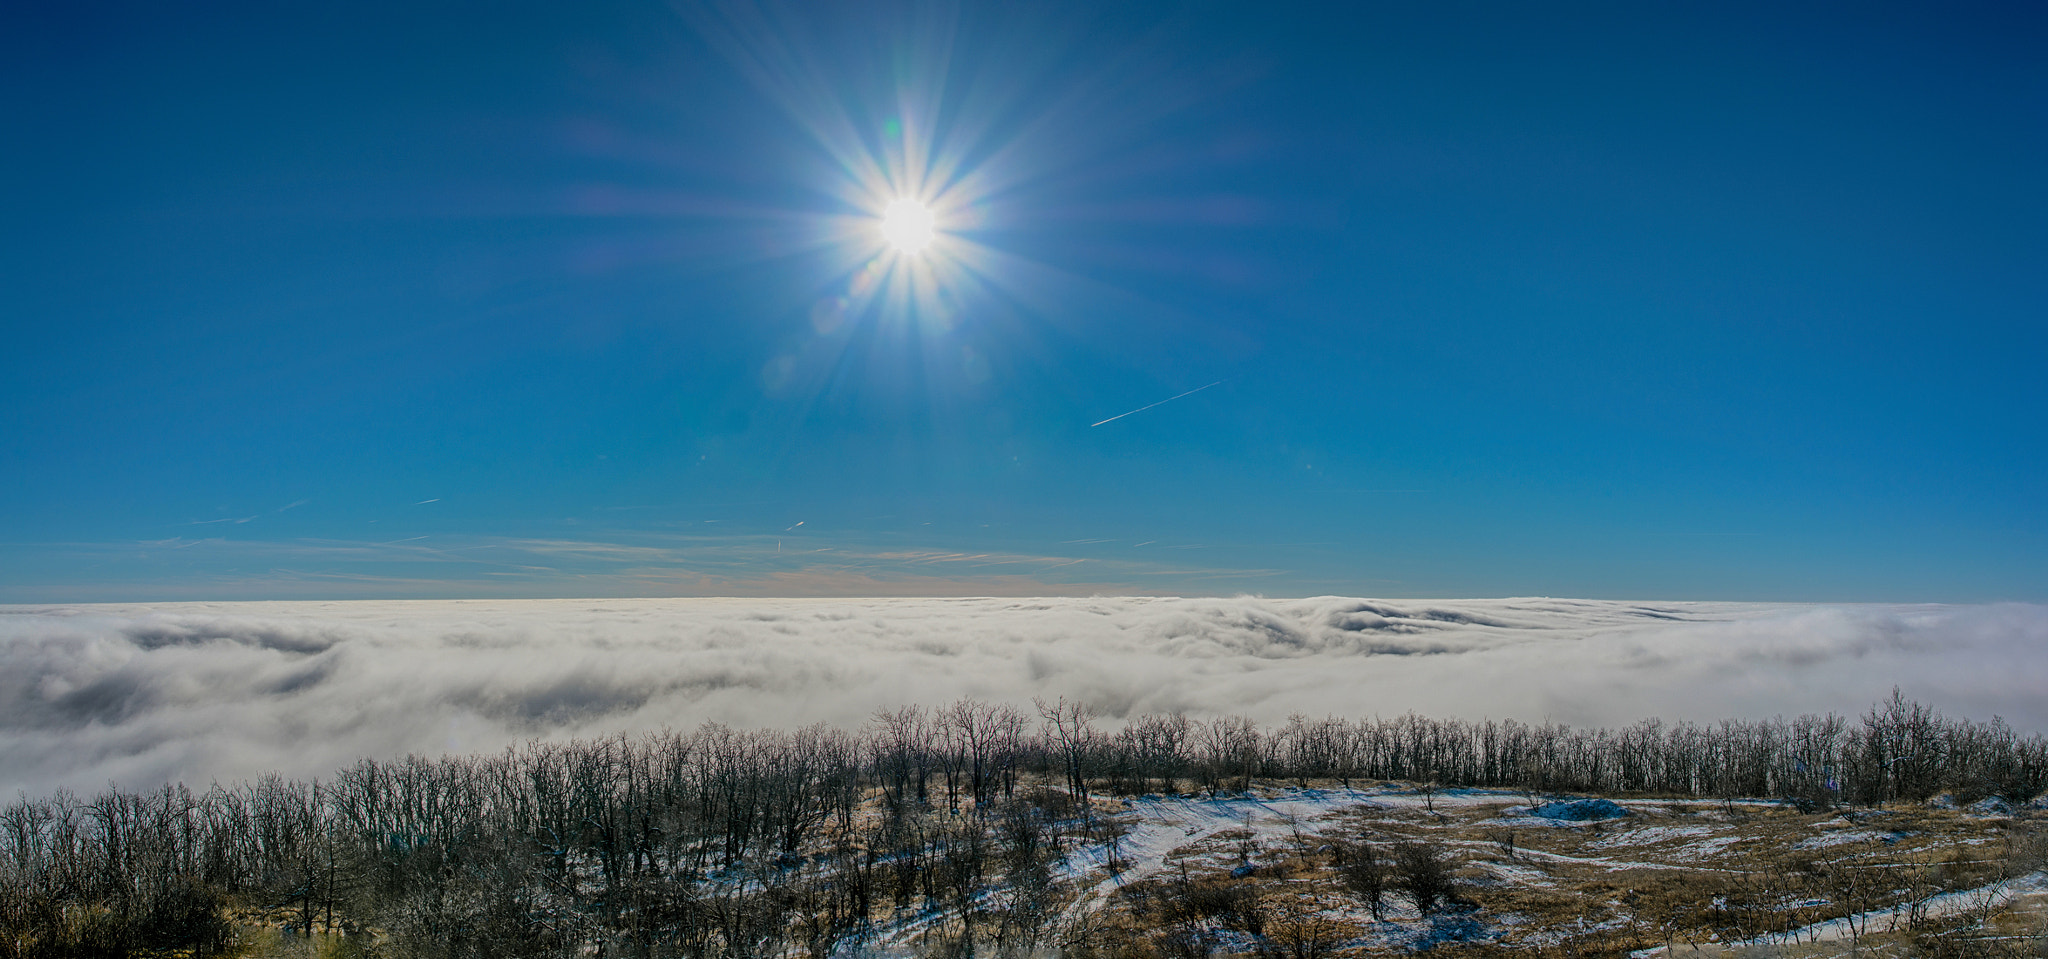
column 200, row 692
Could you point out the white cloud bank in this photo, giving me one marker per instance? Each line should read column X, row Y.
column 143, row 694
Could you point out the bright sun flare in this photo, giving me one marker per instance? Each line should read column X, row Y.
column 908, row 226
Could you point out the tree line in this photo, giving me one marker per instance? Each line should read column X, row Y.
column 720, row 842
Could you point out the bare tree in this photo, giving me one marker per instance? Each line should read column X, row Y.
column 1070, row 728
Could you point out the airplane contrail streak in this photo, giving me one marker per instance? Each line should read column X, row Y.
column 1148, row 406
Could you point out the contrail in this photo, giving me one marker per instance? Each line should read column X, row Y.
column 1142, row 409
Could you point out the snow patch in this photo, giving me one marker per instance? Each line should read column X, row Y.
column 1580, row 810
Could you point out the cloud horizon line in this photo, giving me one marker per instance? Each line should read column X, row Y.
column 147, row 692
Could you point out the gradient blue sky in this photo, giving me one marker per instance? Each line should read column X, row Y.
column 442, row 299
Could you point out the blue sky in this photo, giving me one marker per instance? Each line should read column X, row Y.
column 1701, row 301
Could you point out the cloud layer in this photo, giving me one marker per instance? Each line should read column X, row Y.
column 143, row 694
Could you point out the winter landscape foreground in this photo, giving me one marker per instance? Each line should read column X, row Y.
column 979, row 829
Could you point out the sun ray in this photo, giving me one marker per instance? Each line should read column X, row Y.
column 927, row 160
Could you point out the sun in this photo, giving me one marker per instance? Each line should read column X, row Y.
column 908, row 226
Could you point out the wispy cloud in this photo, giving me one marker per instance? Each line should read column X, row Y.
column 668, row 564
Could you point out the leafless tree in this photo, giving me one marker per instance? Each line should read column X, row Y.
column 1070, row 729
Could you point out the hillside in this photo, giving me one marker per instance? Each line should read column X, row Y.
column 972, row 830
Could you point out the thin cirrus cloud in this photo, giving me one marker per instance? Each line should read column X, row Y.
column 198, row 692
column 674, row 565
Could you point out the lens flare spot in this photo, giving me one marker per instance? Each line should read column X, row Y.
column 908, row 226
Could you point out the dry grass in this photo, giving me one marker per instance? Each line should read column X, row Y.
column 1692, row 876
column 1697, row 878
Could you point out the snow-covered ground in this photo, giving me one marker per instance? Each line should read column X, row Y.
column 1204, row 835
column 1159, row 826
column 1982, row 899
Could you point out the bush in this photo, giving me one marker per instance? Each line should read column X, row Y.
column 1425, row 877
column 1365, row 872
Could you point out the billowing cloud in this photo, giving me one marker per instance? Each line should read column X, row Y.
column 198, row 692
